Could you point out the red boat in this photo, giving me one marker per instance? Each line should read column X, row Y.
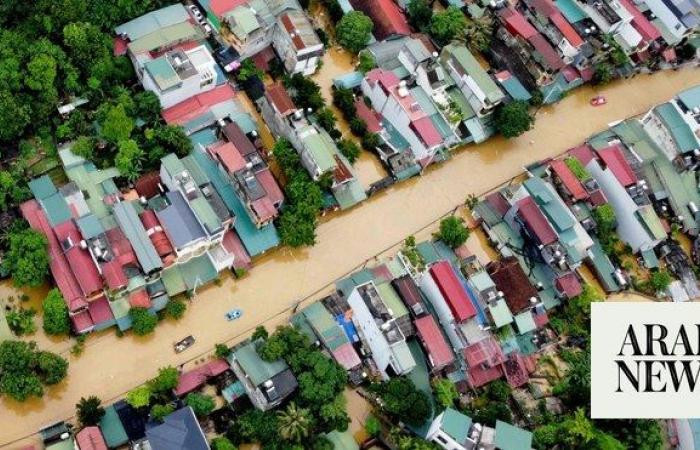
column 598, row 100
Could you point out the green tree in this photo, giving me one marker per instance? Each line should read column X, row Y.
column 334, row 414
column 222, row 351
column 249, row 70
column 142, row 321
column 326, row 119
column 513, row 119
column 602, row 73
column 294, row 423
column 606, row 222
column 51, row 368
column 173, row 139
column 222, row 443
column 27, row 259
column 447, row 25
column 12, row 190
column 403, row 401
column 147, row 106
column 159, row 412
column 165, row 381
column 21, row 321
column 56, row 318
column 306, row 92
column 116, row 125
column 344, row 100
column 297, row 226
column 286, row 156
column 452, row 231
column 84, row 146
column 255, row 426
column 89, row 411
column 175, row 308
column 201, row 404
column 371, row 141
column 128, row 159
column 372, row 426
column 445, row 392
column 478, row 33
column 14, row 116
column 420, row 14
column 139, row 397
column 349, row 149
column 366, row 62
column 259, row 333
column 354, row 31
column 659, row 280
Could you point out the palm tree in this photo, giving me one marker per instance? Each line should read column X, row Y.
column 477, row 33
column 294, row 423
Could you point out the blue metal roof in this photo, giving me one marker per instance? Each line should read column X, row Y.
column 179, row 431
column 179, row 221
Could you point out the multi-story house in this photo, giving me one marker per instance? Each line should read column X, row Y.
column 296, row 43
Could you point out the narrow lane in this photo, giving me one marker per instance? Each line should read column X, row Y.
column 110, row 366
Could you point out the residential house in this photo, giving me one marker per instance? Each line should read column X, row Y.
column 267, row 383
column 434, row 344
column 547, row 18
column 613, row 18
column 505, row 437
column 193, row 379
column 90, row 438
column 296, row 43
column 674, row 20
column 452, row 430
column 675, row 129
column 319, row 154
column 394, row 101
column 180, row 430
column 205, row 110
column 325, row 329
column 379, row 331
column 112, row 429
column 388, row 19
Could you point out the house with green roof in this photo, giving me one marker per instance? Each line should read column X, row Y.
column 452, row 430
column 112, row 429
column 673, row 129
column 267, row 383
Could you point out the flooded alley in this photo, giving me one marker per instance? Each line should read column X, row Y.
column 110, row 365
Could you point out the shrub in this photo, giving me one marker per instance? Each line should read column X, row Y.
column 175, row 308
column 453, row 232
column 142, row 321
column 56, row 319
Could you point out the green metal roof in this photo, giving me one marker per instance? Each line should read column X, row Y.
column 254, row 366
column 112, row 428
column 180, row 32
column 56, row 208
column 481, row 281
column 391, row 300
column 550, row 204
column 603, row 267
column 464, row 57
column 570, row 10
column 525, row 322
column 500, row 312
column 349, row 193
column 515, row 88
column 321, row 150
column 42, row 187
column 153, row 21
column 690, row 97
column 172, row 164
column 324, row 325
column 681, row 132
column 68, row 444
column 650, row 259
column 120, row 307
column 162, row 72
column 173, row 281
column 456, row 424
column 510, row 437
column 205, row 213
column 135, row 232
column 651, row 222
column 342, row 440
column 198, row 271
column 90, row 226
column 244, row 21
column 197, row 173
column 97, row 183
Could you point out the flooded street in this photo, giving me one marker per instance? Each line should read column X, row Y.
column 110, row 366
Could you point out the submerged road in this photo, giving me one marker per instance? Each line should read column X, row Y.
column 110, row 365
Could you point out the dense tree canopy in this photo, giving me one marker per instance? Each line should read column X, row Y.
column 452, row 231
column 419, row 13
column 27, row 258
column 56, row 320
column 403, row 401
column 24, row 369
column 89, row 411
column 143, row 322
column 354, row 31
column 201, row 404
column 447, row 25
column 514, row 119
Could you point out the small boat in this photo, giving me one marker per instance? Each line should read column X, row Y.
column 233, row 314
column 598, row 100
column 184, row 344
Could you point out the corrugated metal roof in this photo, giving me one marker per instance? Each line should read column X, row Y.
column 162, row 37
column 510, row 437
column 153, row 21
column 452, row 290
column 471, row 67
column 112, row 428
column 133, row 229
column 535, row 221
column 257, row 369
column 500, row 313
column 42, row 187
column 438, row 352
column 179, row 221
column 690, row 97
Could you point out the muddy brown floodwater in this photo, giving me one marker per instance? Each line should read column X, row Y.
column 110, row 366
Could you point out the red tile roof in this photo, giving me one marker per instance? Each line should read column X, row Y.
column 566, row 29
column 140, row 299
column 478, row 376
column 81, row 321
column 263, row 57
column 382, row 273
column 79, row 259
column 615, row 160
column 550, row 56
column 239, row 139
column 544, row 7
column 485, row 352
column 510, row 279
column 386, row 15
column 121, row 247
column 346, row 356
column 517, row 23
column 368, row 116
column 570, row 73
column 452, row 290
column 90, row 438
column 264, row 209
column 569, row 180
column 278, row 96
column 227, row 154
column 114, row 275
column 437, row 350
column 535, row 221
column 268, row 182
column 568, row 285
column 221, row 7
column 155, row 232
column 195, row 106
column 191, row 380
column 100, row 311
column 498, row 203
column 386, row 78
column 232, row 243
column 583, row 153
column 147, row 184
column 60, row 270
column 427, row 132
column 648, row 31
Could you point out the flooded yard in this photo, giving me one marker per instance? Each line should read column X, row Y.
column 110, row 366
